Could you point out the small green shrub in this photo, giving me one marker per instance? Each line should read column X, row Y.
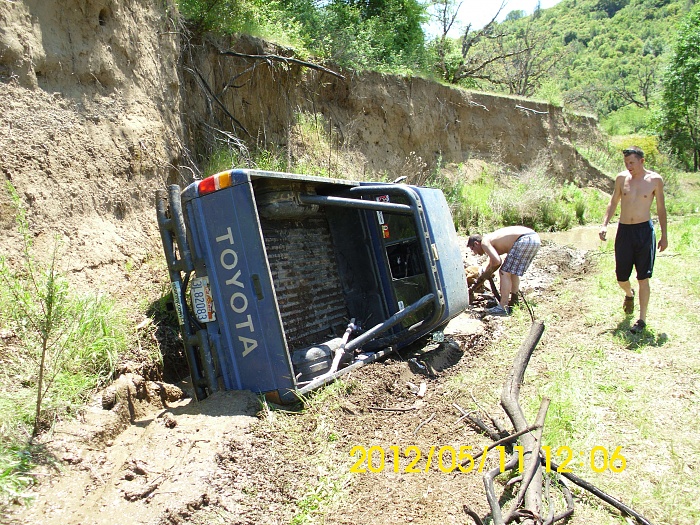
column 650, row 146
column 60, row 347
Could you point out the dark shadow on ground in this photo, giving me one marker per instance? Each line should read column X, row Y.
column 636, row 342
column 163, row 337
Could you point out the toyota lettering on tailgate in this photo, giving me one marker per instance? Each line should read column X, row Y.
column 238, row 299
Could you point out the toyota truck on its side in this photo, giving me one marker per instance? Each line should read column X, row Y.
column 284, row 282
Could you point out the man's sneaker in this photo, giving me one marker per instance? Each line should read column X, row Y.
column 628, row 304
column 498, row 310
column 637, row 327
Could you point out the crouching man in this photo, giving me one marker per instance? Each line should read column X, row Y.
column 520, row 245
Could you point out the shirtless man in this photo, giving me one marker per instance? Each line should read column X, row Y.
column 521, row 245
column 635, row 242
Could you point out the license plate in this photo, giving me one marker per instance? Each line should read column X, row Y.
column 202, row 303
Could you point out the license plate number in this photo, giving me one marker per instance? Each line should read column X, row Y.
column 202, row 303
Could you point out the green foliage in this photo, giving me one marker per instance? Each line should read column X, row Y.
column 682, row 193
column 384, row 35
column 549, row 90
column 628, row 120
column 496, row 197
column 650, row 146
column 680, row 108
column 16, row 463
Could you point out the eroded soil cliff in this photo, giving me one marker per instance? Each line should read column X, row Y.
column 103, row 101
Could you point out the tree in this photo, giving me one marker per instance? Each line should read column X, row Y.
column 611, row 6
column 637, row 83
column 680, row 106
column 475, row 65
column 527, row 59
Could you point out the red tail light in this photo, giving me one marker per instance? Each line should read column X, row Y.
column 214, row 183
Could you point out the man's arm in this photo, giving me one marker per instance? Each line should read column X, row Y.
column 661, row 212
column 612, row 206
column 494, row 259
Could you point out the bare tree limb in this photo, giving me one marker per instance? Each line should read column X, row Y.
column 602, row 495
column 511, row 389
column 531, row 110
column 478, row 423
column 212, row 96
column 424, row 423
column 496, row 515
column 473, row 515
column 569, row 503
column 507, row 439
column 287, row 60
column 533, row 463
column 509, row 401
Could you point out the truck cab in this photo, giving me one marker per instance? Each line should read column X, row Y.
column 284, row 282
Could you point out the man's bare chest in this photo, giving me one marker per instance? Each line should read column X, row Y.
column 638, row 190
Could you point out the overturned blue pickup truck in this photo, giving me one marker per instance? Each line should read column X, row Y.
column 284, row 282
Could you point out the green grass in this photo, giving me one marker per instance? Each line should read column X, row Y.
column 639, row 392
column 610, row 388
column 498, row 197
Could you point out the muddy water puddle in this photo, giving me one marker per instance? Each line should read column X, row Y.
column 582, row 237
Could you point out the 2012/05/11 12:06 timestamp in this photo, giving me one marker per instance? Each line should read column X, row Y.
column 451, row 459
column 598, row 459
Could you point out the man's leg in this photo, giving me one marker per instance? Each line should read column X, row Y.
column 644, row 293
column 506, row 286
column 628, row 303
column 627, row 287
column 514, row 289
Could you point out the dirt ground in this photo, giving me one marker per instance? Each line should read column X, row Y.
column 145, row 450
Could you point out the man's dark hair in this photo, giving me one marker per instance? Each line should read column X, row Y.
column 633, row 150
column 472, row 239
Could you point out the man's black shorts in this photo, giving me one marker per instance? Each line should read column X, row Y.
column 635, row 245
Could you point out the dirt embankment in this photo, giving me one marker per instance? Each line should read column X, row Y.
column 89, row 126
column 100, row 106
column 384, row 118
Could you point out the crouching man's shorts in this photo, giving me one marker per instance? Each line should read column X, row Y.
column 521, row 254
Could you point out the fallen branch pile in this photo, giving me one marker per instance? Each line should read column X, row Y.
column 533, row 496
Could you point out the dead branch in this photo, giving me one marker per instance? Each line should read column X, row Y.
column 496, row 515
column 473, row 515
column 602, row 495
column 287, row 60
column 552, row 518
column 424, row 423
column 501, row 441
column 479, row 105
column 533, row 462
column 478, row 423
column 517, row 106
column 496, row 423
column 511, row 389
column 389, row 409
column 210, row 94
column 510, row 403
column 531, row 481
